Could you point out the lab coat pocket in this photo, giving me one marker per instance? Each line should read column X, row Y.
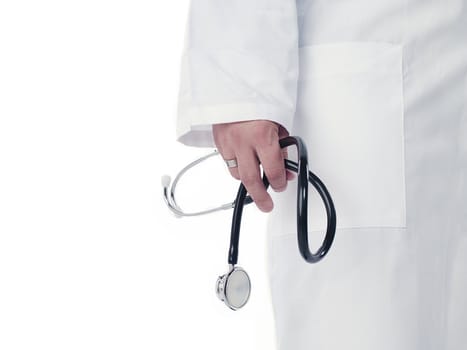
column 350, row 113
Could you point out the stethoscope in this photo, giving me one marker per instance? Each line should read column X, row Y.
column 234, row 287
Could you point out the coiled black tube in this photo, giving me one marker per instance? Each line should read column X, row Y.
column 304, row 177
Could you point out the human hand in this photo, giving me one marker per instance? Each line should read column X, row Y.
column 252, row 143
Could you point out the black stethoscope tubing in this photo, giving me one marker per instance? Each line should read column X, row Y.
column 304, row 176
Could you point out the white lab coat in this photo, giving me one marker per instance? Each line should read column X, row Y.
column 378, row 90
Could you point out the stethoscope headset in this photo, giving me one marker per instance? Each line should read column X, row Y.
column 234, row 287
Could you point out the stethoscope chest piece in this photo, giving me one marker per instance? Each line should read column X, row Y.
column 234, row 287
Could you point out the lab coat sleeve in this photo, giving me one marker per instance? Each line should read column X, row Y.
column 240, row 62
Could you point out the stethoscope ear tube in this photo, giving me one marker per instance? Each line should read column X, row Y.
column 304, row 177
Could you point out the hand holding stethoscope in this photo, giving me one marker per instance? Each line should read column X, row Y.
column 244, row 146
column 233, row 288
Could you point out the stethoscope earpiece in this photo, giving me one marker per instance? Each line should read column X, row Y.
column 234, row 287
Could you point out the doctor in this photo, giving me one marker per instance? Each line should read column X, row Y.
column 378, row 91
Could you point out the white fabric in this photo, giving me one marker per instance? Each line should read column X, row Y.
column 240, row 63
column 381, row 101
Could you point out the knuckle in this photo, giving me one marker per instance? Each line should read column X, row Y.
column 276, row 175
column 259, row 130
column 235, row 134
column 250, row 180
column 265, row 133
column 235, row 174
column 220, row 142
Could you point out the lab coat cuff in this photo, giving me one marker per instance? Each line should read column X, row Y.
column 194, row 126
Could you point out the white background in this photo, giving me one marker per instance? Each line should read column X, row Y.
column 90, row 257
